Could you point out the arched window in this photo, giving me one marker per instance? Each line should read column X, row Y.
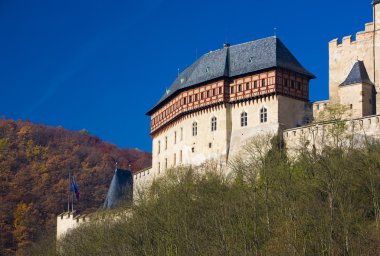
column 213, row 123
column 243, row 119
column 263, row 115
column 195, row 129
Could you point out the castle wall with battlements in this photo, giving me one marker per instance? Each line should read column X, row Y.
column 69, row 220
column 316, row 136
column 343, row 55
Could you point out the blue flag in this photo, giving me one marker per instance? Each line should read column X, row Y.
column 74, row 188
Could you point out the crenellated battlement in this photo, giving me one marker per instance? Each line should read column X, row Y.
column 69, row 220
column 317, row 135
column 349, row 40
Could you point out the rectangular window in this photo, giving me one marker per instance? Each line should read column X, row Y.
column 159, row 147
column 208, row 93
column 292, row 84
column 159, row 167
column 181, row 133
column 247, row 86
column 166, row 163
column 175, row 137
column 184, row 101
column 213, row 92
column 202, row 95
column 190, row 98
column 263, row 83
column 240, row 89
column 255, row 84
column 220, row 90
column 180, row 156
column 298, row 85
column 196, row 97
column 166, row 142
column 232, row 89
column 286, row 82
column 195, row 129
column 174, row 160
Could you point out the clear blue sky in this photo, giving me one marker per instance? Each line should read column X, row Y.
column 100, row 65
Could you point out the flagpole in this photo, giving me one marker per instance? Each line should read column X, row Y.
column 72, row 201
column 72, row 194
column 68, row 195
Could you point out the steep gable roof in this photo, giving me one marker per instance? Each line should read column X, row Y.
column 358, row 74
column 120, row 189
column 233, row 61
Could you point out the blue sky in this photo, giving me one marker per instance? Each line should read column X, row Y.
column 101, row 65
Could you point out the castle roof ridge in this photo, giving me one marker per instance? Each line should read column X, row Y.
column 235, row 60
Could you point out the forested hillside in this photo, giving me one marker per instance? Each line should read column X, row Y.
column 35, row 161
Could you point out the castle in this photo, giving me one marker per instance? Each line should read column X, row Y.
column 235, row 93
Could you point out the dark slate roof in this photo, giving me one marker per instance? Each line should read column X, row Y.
column 234, row 61
column 357, row 75
column 376, row 2
column 120, row 190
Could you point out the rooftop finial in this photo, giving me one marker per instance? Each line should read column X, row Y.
column 226, row 45
column 275, row 31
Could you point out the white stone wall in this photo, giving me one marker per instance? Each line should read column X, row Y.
column 222, row 144
column 187, row 149
column 67, row 221
column 358, row 131
column 358, row 99
column 239, row 134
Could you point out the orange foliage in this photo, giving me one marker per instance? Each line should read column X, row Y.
column 34, row 164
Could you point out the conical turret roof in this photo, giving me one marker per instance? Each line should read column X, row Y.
column 121, row 189
column 357, row 75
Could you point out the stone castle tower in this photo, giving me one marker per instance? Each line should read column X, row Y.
column 354, row 69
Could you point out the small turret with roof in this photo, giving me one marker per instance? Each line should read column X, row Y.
column 358, row 74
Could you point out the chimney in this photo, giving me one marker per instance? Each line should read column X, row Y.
column 226, row 45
